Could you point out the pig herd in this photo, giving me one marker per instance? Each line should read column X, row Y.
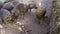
column 11, row 10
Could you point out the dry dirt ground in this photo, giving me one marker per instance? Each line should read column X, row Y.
column 30, row 26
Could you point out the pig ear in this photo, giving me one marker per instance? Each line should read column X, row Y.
column 6, row 1
column 1, row 4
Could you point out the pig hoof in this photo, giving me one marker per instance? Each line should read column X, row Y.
column 23, row 18
column 38, row 22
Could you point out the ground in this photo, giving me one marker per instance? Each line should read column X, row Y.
column 30, row 24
